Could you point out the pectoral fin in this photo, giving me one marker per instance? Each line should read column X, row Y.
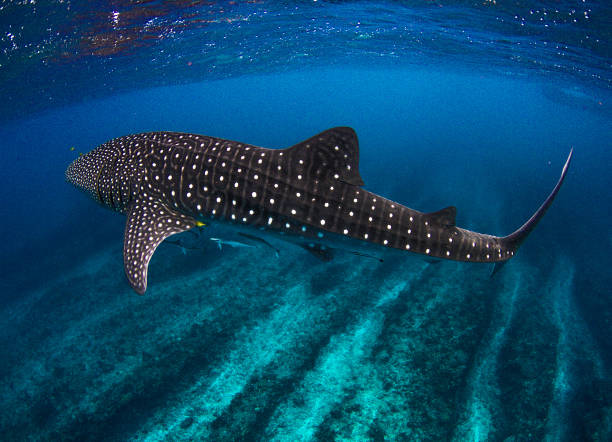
column 148, row 224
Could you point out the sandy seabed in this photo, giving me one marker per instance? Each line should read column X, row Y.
column 242, row 345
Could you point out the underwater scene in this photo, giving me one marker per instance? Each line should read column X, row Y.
column 321, row 289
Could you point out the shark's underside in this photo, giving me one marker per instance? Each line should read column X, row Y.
column 310, row 193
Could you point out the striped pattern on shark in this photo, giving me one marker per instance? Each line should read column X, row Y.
column 168, row 182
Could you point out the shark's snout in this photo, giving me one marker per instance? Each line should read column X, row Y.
column 83, row 174
column 70, row 172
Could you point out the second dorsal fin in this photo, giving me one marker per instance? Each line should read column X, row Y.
column 331, row 154
column 444, row 217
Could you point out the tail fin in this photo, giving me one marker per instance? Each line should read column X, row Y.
column 515, row 239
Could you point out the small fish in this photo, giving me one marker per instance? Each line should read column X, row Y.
column 367, row 255
column 223, row 242
column 261, row 240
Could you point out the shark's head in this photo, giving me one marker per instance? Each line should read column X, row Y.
column 106, row 173
column 84, row 172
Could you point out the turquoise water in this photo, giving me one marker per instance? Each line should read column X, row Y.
column 460, row 104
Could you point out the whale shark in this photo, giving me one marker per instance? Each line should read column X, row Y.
column 310, row 194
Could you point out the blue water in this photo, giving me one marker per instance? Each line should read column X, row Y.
column 455, row 103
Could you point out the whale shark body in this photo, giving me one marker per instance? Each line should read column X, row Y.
column 310, row 194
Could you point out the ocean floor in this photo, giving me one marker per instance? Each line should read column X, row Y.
column 242, row 345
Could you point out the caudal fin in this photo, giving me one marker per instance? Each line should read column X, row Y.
column 515, row 239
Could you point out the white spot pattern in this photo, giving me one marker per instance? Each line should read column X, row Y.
column 162, row 164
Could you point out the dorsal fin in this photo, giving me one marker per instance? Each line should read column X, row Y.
column 333, row 154
column 444, row 217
